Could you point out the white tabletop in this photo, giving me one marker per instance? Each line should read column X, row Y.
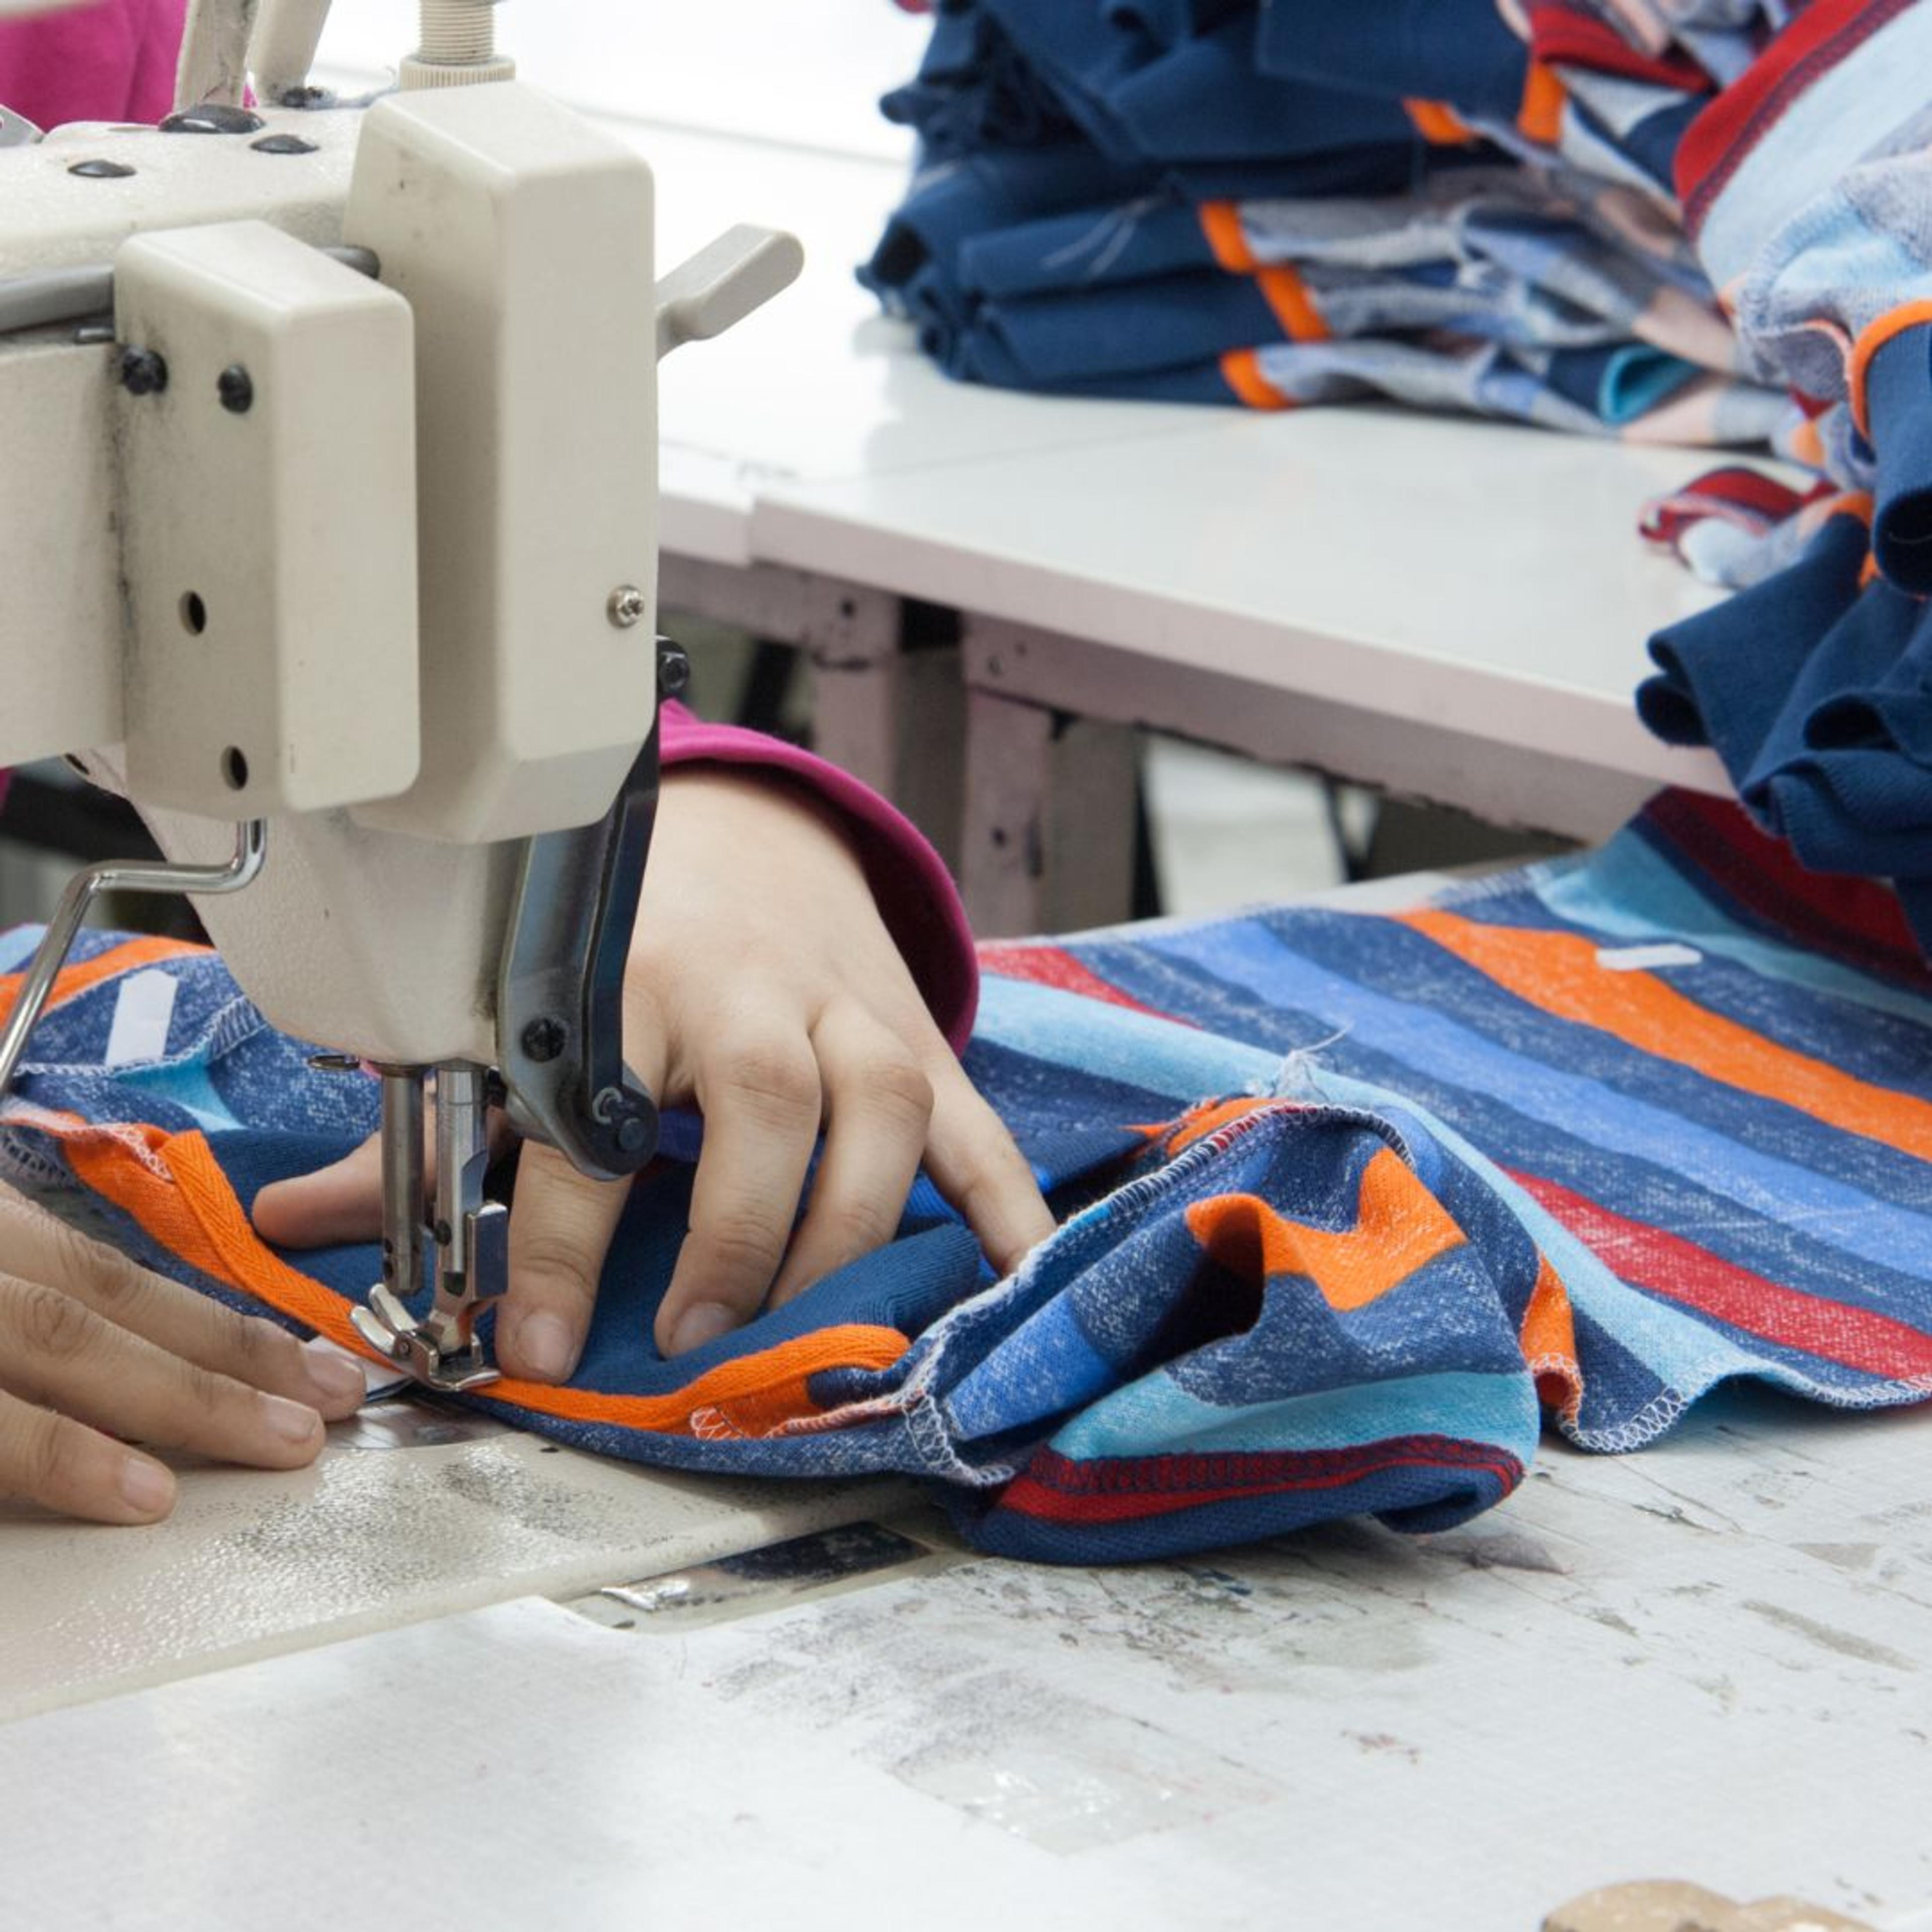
column 1478, row 577
column 1701, row 1662
column 810, row 76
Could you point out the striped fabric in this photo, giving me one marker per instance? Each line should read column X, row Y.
column 1351, row 1203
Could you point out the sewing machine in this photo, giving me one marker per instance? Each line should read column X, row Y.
column 328, row 530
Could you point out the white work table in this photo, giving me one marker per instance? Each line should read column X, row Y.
column 1452, row 609
column 1706, row 1662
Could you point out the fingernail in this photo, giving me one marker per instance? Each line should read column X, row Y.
column 292, row 1421
column 544, row 1345
column 340, row 1379
column 703, row 1322
column 146, row 1488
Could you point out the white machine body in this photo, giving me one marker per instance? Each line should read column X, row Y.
column 401, row 605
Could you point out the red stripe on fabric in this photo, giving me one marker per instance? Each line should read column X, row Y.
column 1716, row 144
column 1858, row 921
column 1680, row 1271
column 1750, row 488
column 1060, row 1489
column 1557, row 33
column 1048, row 966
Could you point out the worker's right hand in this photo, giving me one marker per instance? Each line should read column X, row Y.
column 94, row 1348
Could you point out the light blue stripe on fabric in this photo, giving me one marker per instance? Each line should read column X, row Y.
column 186, row 1083
column 1087, row 1036
column 17, row 947
column 1812, row 1204
column 1047, row 1363
column 1156, row 1417
column 1626, row 891
column 1684, row 1353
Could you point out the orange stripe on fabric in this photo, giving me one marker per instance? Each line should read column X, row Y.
column 1557, row 973
column 1540, row 115
column 1198, row 1123
column 1871, row 339
column 1548, row 1339
column 1221, row 224
column 1868, row 571
column 1241, row 370
column 1437, row 122
column 1287, row 294
column 197, row 1217
column 76, row 979
column 1399, row 1227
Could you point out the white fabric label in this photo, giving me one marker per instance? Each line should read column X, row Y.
column 142, row 1012
column 1645, row 958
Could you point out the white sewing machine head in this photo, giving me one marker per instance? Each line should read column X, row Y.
column 329, row 530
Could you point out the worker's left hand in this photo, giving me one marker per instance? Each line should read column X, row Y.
column 763, row 988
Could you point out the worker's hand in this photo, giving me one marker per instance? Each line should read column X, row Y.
column 93, row 1348
column 764, row 988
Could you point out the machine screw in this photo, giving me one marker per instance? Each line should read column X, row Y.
column 631, row 1133
column 627, row 606
column 673, row 668
column 236, row 388
column 213, row 117
column 543, row 1038
column 143, row 372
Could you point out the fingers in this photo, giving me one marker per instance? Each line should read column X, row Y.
column 55, row 1352
column 560, row 1230
column 61, row 1464
column 41, row 1249
column 339, row 1203
column 974, row 1163
column 761, row 1100
column 878, row 1105
column 344, row 1201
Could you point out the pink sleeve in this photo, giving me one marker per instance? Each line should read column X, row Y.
column 109, row 60
column 916, row 897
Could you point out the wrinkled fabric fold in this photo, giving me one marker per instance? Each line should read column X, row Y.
column 1349, row 1203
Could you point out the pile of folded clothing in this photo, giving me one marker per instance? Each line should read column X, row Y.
column 1292, row 201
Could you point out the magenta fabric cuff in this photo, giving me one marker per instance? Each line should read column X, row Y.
column 916, row 897
column 111, row 60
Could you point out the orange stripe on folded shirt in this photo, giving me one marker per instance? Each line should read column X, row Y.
column 1541, row 114
column 1287, row 294
column 1221, row 224
column 1438, row 123
column 1399, row 1227
column 196, row 1216
column 1241, row 370
column 76, row 979
column 1557, row 973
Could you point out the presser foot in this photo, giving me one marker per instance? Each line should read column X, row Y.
column 388, row 1326
column 467, row 1244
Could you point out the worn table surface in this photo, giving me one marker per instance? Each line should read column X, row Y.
column 1709, row 1660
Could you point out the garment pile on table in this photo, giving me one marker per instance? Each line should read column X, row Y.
column 1294, row 202
column 1349, row 1203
